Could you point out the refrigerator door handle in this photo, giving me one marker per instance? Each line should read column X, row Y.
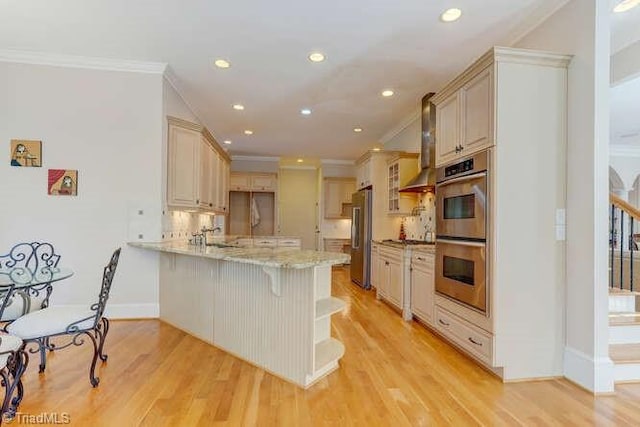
column 355, row 228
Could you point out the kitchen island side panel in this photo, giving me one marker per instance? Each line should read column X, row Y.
column 187, row 293
column 265, row 322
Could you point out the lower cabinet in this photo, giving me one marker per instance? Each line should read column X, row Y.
column 422, row 286
column 374, row 268
column 470, row 338
column 390, row 274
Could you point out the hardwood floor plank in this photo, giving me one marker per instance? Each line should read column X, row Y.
column 393, row 373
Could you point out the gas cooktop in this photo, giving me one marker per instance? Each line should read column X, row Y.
column 409, row 242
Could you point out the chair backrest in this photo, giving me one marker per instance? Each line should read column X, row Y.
column 107, row 279
column 29, row 259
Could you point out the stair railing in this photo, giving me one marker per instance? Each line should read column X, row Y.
column 622, row 242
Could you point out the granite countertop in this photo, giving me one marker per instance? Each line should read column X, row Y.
column 423, row 247
column 268, row 257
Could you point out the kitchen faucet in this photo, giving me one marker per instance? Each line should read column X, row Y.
column 205, row 230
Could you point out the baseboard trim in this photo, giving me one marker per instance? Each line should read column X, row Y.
column 126, row 311
column 595, row 375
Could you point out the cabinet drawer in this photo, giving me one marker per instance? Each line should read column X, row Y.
column 239, row 182
column 265, row 243
column 470, row 338
column 422, row 260
column 289, row 243
column 263, row 183
column 391, row 253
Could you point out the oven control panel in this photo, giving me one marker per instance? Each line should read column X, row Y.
column 458, row 168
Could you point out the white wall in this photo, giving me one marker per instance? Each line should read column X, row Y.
column 625, row 64
column 627, row 168
column 581, row 28
column 105, row 124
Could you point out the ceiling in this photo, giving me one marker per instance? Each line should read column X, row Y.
column 370, row 45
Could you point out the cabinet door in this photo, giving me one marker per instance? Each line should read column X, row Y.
column 422, row 289
column 332, row 199
column 447, row 129
column 215, row 182
column 477, row 113
column 383, row 276
column 204, row 193
column 223, row 187
column 263, row 183
column 395, row 283
column 375, row 274
column 239, row 182
column 183, row 168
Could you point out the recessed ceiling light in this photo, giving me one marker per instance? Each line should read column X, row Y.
column 316, row 57
column 357, row 129
column 299, row 160
column 227, row 142
column 248, row 132
column 451, row 15
column 625, row 5
column 387, row 93
column 238, row 107
column 305, row 111
column 222, row 63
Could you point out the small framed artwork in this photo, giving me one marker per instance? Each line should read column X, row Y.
column 26, row 153
column 63, row 182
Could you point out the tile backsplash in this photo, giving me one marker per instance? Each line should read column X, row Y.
column 179, row 225
column 416, row 227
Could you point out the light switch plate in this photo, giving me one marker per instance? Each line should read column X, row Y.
column 561, row 216
column 561, row 232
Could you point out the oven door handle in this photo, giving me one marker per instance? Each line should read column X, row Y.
column 462, row 179
column 461, row 243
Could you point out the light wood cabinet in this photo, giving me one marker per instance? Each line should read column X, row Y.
column 400, row 170
column 197, row 168
column 337, row 197
column 464, row 118
column 363, row 173
column 513, row 101
column 249, row 181
column 390, row 275
column 183, row 169
column 422, row 286
column 374, row 267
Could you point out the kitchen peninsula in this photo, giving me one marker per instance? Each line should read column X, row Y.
column 269, row 306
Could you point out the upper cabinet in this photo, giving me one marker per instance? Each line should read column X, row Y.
column 337, row 197
column 363, row 173
column 256, row 182
column 464, row 115
column 401, row 168
column 197, row 168
column 183, row 168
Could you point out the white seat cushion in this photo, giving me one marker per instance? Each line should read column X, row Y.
column 20, row 304
column 8, row 343
column 50, row 321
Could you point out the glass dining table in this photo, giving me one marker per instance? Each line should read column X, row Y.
column 32, row 287
column 25, row 278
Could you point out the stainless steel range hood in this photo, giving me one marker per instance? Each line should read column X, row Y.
column 426, row 179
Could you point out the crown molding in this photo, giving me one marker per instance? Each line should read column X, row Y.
column 256, row 158
column 623, row 151
column 76, row 61
column 405, row 123
column 337, row 162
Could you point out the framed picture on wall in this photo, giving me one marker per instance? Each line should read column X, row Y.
column 25, row 153
column 62, row 182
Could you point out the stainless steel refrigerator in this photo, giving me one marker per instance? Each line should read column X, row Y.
column 361, row 238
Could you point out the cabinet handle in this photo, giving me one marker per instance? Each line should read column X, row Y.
column 210, row 205
column 443, row 323
column 461, row 147
column 198, row 201
column 474, row 341
column 386, row 263
column 420, row 258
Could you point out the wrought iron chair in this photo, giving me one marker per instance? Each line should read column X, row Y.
column 39, row 326
column 26, row 260
column 13, row 360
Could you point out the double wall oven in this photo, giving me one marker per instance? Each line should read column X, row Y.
column 462, row 200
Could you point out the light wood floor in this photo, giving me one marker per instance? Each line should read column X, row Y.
column 393, row 373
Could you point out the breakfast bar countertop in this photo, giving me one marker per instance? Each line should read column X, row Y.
column 268, row 257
